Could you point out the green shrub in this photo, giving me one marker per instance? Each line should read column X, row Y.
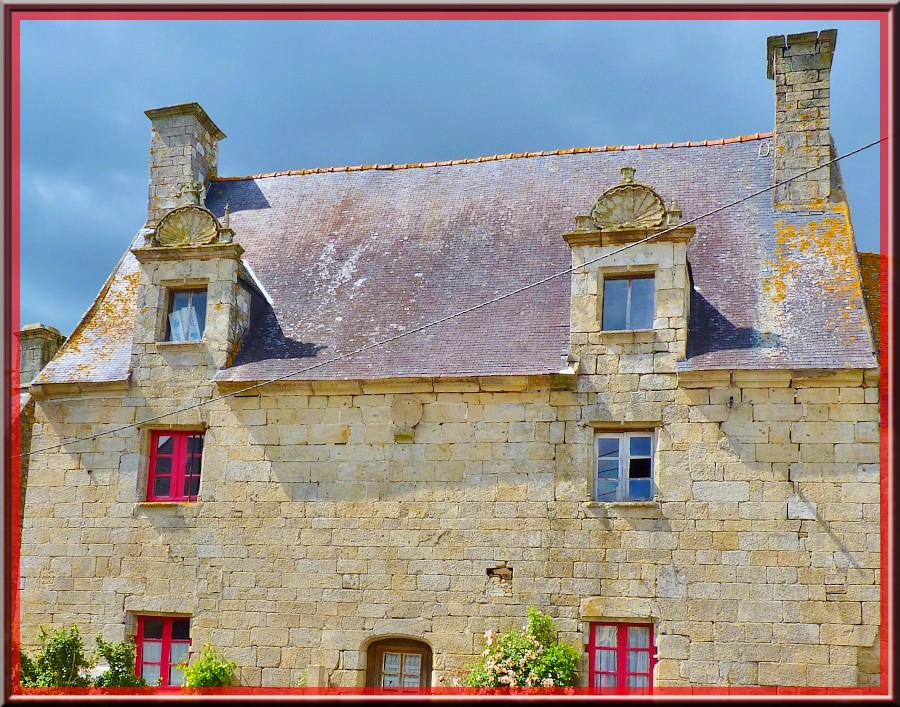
column 60, row 661
column 532, row 657
column 211, row 669
column 120, row 657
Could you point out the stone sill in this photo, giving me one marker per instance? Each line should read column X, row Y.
column 167, row 504
column 627, row 336
column 180, row 344
column 624, row 509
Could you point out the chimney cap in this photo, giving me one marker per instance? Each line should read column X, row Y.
column 780, row 41
column 187, row 109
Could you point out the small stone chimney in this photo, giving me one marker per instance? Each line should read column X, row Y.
column 37, row 345
column 183, row 157
column 801, row 67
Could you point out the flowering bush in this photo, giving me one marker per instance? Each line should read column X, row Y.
column 531, row 657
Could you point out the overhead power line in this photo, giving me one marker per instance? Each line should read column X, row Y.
column 462, row 312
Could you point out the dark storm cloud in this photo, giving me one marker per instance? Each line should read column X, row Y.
column 293, row 95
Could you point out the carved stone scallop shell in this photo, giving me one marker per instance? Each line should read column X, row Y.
column 628, row 206
column 187, row 225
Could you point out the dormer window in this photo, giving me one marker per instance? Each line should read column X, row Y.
column 186, row 318
column 628, row 303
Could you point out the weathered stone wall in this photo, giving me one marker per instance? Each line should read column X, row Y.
column 316, row 531
column 37, row 345
column 800, row 64
column 183, row 150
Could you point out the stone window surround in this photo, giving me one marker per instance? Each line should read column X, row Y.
column 146, row 437
column 618, row 272
column 167, row 287
column 375, row 656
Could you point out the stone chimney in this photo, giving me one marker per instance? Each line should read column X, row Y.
column 801, row 67
column 37, row 345
column 183, row 157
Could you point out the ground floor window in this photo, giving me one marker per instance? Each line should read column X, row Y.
column 398, row 665
column 621, row 658
column 162, row 641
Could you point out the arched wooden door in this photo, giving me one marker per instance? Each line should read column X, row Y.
column 398, row 664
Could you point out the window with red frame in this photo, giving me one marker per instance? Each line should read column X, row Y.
column 174, row 466
column 621, row 658
column 162, row 642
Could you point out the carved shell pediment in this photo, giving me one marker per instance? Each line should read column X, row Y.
column 187, row 226
column 628, row 206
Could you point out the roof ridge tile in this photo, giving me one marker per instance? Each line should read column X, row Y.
column 505, row 156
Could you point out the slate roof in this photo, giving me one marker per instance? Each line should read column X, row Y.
column 352, row 256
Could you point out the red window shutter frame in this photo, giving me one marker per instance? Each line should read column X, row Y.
column 165, row 648
column 621, row 653
column 179, row 459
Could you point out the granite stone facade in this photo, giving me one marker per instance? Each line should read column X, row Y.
column 335, row 511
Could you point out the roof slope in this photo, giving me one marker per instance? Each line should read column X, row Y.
column 870, row 270
column 353, row 256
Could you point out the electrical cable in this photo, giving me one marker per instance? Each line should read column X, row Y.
column 448, row 317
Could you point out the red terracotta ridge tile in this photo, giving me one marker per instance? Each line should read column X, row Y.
column 506, row 156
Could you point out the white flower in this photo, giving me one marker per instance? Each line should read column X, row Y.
column 547, row 682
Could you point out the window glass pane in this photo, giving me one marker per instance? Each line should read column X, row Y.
column 153, row 628
column 390, row 680
column 152, row 652
column 608, row 469
column 176, row 677
column 642, row 303
column 150, row 673
column 608, row 447
column 639, row 468
column 195, row 444
column 179, row 300
column 178, row 652
column 412, row 664
column 198, row 300
column 637, row 680
column 640, row 490
column 162, row 486
column 605, row 660
column 605, row 636
column 165, row 444
column 191, row 486
column 410, row 681
column 640, row 446
column 606, row 680
column 614, row 300
column 391, row 662
column 163, row 465
column 638, row 661
column 192, row 465
column 607, row 490
column 638, row 637
column 181, row 629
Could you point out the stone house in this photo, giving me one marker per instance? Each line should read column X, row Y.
column 671, row 444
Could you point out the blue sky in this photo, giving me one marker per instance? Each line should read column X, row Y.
column 302, row 94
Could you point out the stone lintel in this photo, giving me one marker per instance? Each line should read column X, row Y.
column 679, row 234
column 156, row 254
column 187, row 109
column 617, row 608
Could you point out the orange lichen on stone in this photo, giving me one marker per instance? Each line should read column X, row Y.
column 828, row 246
